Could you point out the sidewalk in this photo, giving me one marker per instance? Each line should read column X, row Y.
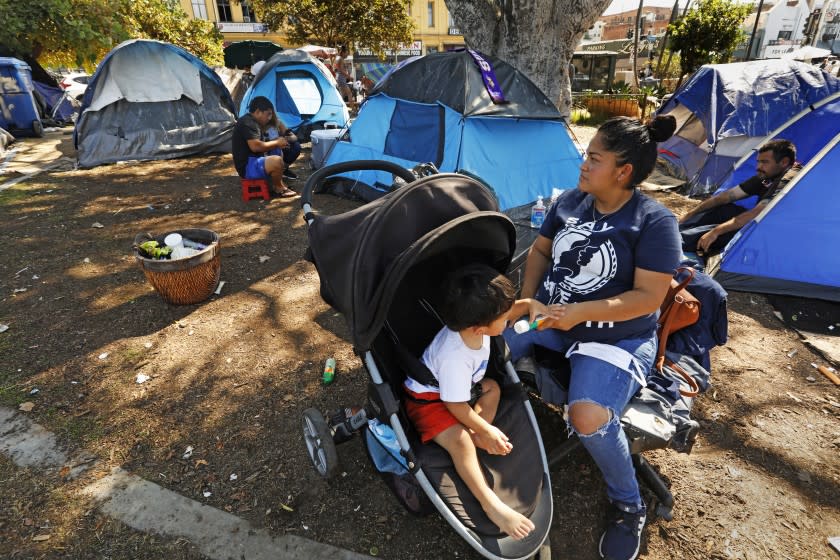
column 147, row 507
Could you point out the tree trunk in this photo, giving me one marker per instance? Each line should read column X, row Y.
column 538, row 37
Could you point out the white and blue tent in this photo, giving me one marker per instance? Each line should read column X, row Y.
column 439, row 109
column 809, row 130
column 302, row 90
column 791, row 247
column 151, row 100
column 725, row 110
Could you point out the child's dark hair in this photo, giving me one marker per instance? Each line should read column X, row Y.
column 476, row 295
column 635, row 143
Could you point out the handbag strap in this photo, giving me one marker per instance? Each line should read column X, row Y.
column 673, row 293
column 694, row 388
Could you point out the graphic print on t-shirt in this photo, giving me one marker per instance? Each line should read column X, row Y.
column 580, row 263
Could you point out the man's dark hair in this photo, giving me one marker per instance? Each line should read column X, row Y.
column 476, row 295
column 260, row 103
column 781, row 148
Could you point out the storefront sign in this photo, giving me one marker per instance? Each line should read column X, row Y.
column 236, row 27
column 414, row 48
column 455, row 31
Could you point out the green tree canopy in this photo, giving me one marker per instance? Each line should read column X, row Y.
column 80, row 32
column 708, row 33
column 164, row 20
column 73, row 32
column 373, row 24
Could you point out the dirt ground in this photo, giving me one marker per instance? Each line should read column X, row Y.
column 230, row 377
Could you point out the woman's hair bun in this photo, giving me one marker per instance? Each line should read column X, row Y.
column 662, row 127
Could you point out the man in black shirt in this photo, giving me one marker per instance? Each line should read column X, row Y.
column 249, row 149
column 713, row 223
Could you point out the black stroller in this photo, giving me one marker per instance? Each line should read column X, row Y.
column 381, row 266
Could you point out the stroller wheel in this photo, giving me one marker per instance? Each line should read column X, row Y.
column 319, row 442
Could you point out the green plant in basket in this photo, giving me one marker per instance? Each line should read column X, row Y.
column 152, row 250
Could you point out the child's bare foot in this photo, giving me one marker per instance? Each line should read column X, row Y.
column 509, row 521
column 487, row 445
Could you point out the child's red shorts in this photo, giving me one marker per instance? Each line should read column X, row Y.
column 429, row 418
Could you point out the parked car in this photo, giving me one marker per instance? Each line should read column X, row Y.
column 75, row 84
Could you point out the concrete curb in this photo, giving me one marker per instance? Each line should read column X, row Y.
column 147, row 507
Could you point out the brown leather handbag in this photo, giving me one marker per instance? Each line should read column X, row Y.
column 679, row 309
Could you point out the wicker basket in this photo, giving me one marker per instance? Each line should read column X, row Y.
column 184, row 281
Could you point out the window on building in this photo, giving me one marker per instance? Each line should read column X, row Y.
column 224, row 10
column 784, row 35
column 199, row 9
column 430, row 14
column 247, row 12
column 449, row 21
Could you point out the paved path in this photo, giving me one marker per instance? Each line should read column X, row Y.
column 147, row 507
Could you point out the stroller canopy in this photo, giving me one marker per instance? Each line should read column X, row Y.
column 301, row 88
column 437, row 109
column 362, row 255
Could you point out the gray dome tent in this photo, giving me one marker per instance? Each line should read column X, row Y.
column 151, row 100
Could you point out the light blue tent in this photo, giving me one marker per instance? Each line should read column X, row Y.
column 791, row 247
column 302, row 90
column 809, row 130
column 437, row 109
column 725, row 110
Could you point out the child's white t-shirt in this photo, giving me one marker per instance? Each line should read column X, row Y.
column 455, row 366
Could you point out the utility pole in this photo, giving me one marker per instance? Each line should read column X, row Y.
column 755, row 27
column 636, row 42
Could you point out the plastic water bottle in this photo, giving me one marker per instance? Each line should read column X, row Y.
column 538, row 213
column 329, row 371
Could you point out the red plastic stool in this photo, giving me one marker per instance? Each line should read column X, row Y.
column 254, row 188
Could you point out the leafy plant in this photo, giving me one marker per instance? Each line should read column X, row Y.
column 708, row 33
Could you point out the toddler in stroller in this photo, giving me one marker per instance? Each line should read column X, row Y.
column 381, row 265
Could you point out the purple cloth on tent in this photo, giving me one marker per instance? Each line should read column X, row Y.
column 489, row 77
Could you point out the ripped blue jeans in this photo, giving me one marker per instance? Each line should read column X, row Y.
column 596, row 381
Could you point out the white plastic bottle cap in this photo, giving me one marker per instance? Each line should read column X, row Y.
column 521, row 326
column 173, row 240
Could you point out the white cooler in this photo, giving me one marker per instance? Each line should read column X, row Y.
column 322, row 143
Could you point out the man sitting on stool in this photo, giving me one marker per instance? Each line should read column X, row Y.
column 249, row 149
column 714, row 222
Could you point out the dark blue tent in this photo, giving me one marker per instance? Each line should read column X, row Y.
column 791, row 247
column 725, row 110
column 809, row 130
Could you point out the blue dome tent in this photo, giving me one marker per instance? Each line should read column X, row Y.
column 302, row 90
column 150, row 100
column 437, row 108
column 725, row 110
column 791, row 247
column 809, row 130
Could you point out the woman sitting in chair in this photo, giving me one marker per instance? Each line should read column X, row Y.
column 602, row 264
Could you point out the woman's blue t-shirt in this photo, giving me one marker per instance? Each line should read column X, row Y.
column 594, row 256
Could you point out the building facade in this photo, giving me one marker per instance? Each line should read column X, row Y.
column 654, row 20
column 434, row 29
column 781, row 29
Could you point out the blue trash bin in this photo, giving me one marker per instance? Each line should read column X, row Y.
column 18, row 110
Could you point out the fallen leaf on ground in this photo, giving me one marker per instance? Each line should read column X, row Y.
column 39, row 538
column 26, row 407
